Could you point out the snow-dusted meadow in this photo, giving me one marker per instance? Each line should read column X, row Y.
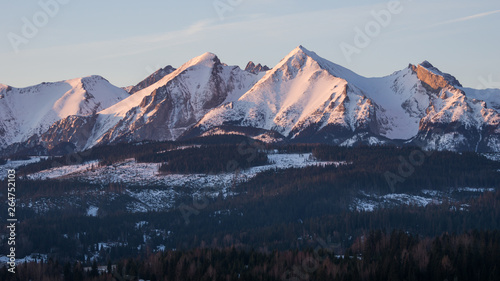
column 147, row 190
column 146, row 174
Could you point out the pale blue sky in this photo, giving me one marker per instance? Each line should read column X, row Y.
column 124, row 40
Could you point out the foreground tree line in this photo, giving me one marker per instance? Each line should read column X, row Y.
column 375, row 256
column 276, row 209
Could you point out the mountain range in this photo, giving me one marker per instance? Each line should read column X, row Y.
column 304, row 98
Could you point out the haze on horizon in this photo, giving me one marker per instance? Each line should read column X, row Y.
column 124, row 41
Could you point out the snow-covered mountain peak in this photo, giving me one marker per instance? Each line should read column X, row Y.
column 296, row 61
column 29, row 111
column 303, row 98
column 307, row 94
column 201, row 66
column 299, row 62
column 295, row 93
column 301, row 52
column 302, row 49
column 93, row 80
column 167, row 108
column 207, row 59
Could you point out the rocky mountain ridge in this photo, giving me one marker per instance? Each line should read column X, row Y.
column 304, row 98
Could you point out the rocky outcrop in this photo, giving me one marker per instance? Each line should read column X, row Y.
column 72, row 129
column 255, row 69
column 433, row 78
column 453, row 120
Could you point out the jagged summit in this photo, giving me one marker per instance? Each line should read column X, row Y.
column 427, row 64
column 165, row 71
column 255, row 69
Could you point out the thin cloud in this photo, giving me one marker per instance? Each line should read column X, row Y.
column 134, row 45
column 473, row 17
column 198, row 26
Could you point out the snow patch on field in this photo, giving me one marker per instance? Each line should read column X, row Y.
column 476, row 190
column 92, row 211
column 63, row 171
column 14, row 164
column 31, row 258
column 151, row 200
column 363, row 205
column 140, row 224
column 151, row 191
column 146, row 174
column 432, row 193
column 369, row 202
column 408, row 199
column 492, row 156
